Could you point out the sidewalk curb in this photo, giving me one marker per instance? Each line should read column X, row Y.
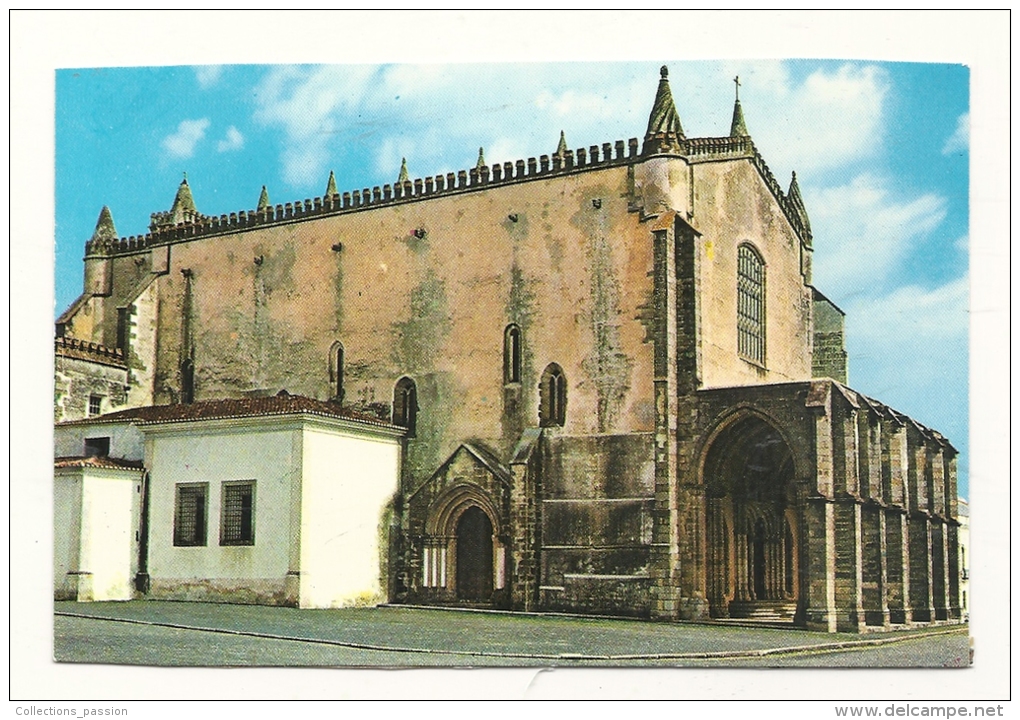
column 722, row 654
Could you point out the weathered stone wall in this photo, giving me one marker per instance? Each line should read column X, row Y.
column 828, row 358
column 76, row 379
column 596, row 522
column 732, row 205
column 141, row 343
column 561, row 257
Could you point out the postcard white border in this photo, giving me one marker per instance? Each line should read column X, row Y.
column 43, row 41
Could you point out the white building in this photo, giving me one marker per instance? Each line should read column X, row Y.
column 279, row 500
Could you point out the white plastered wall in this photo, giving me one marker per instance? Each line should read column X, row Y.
column 66, row 532
column 96, row 519
column 347, row 483
column 126, row 442
column 214, row 455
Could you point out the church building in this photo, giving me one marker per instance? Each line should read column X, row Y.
column 598, row 380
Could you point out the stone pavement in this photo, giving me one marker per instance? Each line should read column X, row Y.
column 179, row 633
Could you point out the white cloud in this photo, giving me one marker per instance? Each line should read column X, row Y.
column 909, row 349
column 309, row 104
column 437, row 115
column 830, row 119
column 863, row 232
column 208, row 75
column 233, row 140
column 959, row 141
column 181, row 144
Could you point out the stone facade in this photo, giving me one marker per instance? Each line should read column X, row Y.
column 622, row 393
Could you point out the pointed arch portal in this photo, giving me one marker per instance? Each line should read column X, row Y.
column 751, row 526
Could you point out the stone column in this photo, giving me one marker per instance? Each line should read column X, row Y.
column 940, row 569
column 897, row 566
column 874, row 571
column 847, row 518
column 664, row 555
column 691, row 521
column 921, row 600
column 919, row 519
column 523, row 536
column 894, row 464
column 819, row 589
column 953, row 550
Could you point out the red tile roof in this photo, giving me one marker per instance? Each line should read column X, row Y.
column 233, row 408
column 97, row 462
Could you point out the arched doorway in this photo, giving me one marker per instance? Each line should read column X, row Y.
column 474, row 556
column 751, row 556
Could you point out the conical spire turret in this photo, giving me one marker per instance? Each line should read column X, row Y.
column 798, row 203
column 561, row 148
column 263, row 200
column 183, row 209
column 403, row 177
column 105, row 229
column 481, row 159
column 331, row 186
column 664, row 129
column 737, row 126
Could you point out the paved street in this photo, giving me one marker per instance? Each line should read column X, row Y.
column 168, row 633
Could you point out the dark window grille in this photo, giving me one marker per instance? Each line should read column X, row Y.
column 95, row 405
column 750, row 305
column 238, row 526
column 190, row 520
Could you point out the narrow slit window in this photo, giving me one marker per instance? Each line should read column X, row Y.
column 188, row 381
column 512, row 354
column 337, row 370
column 750, row 305
column 405, row 405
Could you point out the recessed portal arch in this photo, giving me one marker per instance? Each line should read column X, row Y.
column 464, row 552
column 752, row 546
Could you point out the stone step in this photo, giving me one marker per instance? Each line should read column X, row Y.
column 777, row 610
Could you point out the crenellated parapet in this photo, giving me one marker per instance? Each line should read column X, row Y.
column 93, row 352
column 477, row 178
column 567, row 162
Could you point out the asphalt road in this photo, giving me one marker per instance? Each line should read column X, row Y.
column 204, row 634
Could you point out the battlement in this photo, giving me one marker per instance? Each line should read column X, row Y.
column 566, row 162
column 93, row 352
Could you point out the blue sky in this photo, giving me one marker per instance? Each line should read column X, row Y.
column 880, row 150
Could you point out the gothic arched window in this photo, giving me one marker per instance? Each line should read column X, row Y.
column 512, row 354
column 750, row 304
column 336, row 370
column 552, row 397
column 405, row 405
